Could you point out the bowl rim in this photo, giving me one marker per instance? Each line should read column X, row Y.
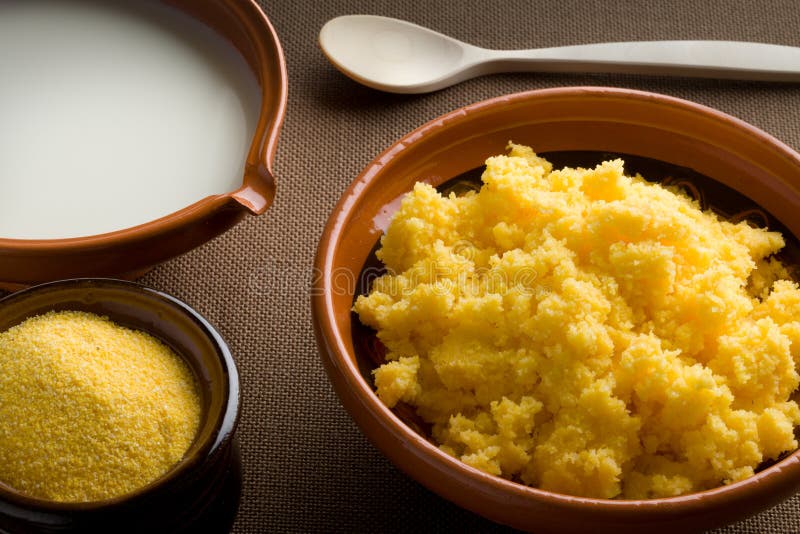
column 338, row 364
column 258, row 174
column 224, row 428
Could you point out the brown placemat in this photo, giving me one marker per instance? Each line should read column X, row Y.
column 307, row 466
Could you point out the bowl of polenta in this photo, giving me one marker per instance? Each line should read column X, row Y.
column 574, row 309
column 118, row 411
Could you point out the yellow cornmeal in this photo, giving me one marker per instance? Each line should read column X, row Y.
column 90, row 410
column 586, row 332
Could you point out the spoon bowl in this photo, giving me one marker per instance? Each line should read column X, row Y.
column 393, row 55
column 400, row 57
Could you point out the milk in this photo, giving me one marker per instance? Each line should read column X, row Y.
column 113, row 114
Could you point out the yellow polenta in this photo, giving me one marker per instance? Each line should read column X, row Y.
column 90, row 410
column 586, row 332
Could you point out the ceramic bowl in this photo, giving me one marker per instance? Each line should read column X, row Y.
column 129, row 252
column 201, row 493
column 738, row 161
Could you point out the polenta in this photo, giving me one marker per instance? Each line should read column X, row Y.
column 90, row 410
column 587, row 332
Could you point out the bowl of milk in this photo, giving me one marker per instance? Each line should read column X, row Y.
column 131, row 132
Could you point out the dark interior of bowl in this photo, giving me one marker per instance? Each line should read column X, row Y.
column 712, row 195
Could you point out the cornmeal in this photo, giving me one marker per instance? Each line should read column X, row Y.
column 587, row 332
column 90, row 410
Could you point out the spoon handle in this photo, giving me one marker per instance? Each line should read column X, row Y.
column 705, row 59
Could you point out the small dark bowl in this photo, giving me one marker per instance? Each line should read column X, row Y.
column 201, row 492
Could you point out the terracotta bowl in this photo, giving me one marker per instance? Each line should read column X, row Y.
column 740, row 164
column 201, row 493
column 128, row 253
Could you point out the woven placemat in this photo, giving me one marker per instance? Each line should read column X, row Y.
column 307, row 468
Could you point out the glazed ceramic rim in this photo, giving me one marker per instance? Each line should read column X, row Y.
column 337, row 359
column 224, row 428
column 262, row 35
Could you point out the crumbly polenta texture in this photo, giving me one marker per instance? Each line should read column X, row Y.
column 586, row 332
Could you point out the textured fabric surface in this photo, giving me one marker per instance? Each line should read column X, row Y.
column 307, row 468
